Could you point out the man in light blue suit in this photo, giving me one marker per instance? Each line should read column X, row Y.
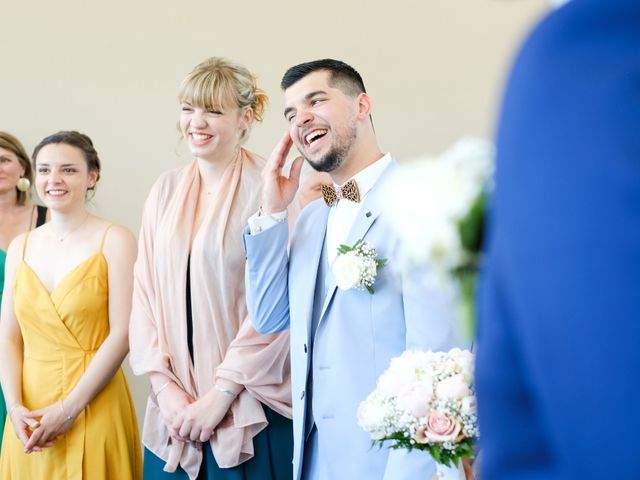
column 341, row 340
column 559, row 326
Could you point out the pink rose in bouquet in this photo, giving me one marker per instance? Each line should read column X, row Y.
column 439, row 428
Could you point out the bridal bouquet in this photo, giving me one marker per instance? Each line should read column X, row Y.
column 437, row 206
column 425, row 401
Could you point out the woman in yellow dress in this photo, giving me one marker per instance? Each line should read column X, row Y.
column 64, row 332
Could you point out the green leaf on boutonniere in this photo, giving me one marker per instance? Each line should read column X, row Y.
column 342, row 249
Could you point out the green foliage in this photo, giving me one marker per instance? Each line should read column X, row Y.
column 471, row 230
column 342, row 249
column 444, row 456
column 471, row 227
column 467, row 280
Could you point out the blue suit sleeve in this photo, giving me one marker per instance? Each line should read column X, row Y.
column 266, row 278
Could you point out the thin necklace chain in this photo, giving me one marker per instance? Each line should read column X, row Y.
column 65, row 236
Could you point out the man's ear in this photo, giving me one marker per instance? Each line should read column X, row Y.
column 364, row 106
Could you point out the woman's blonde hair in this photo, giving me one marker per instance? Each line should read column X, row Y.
column 218, row 83
column 11, row 143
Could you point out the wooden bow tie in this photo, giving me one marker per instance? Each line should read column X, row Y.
column 347, row 191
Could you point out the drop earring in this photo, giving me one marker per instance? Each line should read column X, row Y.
column 23, row 184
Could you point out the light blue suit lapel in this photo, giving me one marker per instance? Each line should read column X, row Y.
column 367, row 215
column 307, row 277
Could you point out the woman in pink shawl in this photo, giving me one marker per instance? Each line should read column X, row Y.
column 220, row 399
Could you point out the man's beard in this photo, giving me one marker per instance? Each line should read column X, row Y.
column 330, row 161
column 338, row 153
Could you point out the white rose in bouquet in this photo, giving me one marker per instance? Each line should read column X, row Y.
column 464, row 362
column 415, row 398
column 393, row 380
column 453, row 388
column 372, row 414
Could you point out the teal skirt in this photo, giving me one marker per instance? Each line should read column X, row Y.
column 3, row 415
column 273, row 448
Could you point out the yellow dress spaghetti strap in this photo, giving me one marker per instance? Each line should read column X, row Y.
column 61, row 331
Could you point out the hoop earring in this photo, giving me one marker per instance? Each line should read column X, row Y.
column 24, row 184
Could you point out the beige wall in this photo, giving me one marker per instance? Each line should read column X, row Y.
column 434, row 69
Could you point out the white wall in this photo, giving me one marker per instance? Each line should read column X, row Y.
column 434, row 69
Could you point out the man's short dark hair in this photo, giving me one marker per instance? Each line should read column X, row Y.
column 341, row 75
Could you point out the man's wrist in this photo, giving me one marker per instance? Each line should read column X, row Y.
column 277, row 215
column 266, row 209
column 261, row 221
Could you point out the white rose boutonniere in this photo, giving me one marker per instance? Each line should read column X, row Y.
column 357, row 266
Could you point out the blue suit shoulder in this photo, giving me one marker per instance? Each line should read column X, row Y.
column 306, row 222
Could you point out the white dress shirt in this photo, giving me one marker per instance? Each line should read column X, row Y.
column 345, row 212
column 341, row 216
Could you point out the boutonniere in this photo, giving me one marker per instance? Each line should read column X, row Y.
column 357, row 266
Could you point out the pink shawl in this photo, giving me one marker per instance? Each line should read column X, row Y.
column 224, row 343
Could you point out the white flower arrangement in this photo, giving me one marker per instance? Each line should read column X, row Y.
column 357, row 266
column 425, row 401
column 436, row 206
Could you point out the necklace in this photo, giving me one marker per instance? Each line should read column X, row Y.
column 62, row 238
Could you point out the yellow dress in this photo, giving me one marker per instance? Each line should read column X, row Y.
column 62, row 331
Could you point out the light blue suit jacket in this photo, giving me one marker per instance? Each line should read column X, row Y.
column 356, row 337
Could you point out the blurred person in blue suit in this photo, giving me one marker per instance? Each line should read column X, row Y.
column 559, row 326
